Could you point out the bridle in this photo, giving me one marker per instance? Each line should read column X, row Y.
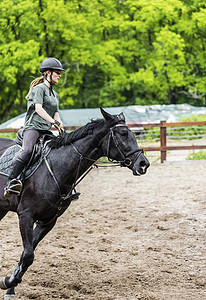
column 126, row 160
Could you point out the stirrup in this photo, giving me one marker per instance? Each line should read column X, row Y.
column 75, row 196
column 13, row 187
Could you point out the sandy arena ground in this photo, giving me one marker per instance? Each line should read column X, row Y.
column 126, row 237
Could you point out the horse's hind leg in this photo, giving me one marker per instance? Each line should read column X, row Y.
column 27, row 257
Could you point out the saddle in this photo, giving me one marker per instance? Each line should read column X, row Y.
column 40, row 151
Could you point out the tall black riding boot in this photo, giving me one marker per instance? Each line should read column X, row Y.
column 14, row 185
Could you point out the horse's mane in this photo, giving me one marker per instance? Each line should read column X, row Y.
column 71, row 137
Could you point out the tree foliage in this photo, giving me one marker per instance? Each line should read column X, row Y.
column 115, row 52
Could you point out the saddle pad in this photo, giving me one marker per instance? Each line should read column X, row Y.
column 6, row 162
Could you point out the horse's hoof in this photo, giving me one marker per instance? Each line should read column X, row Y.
column 8, row 297
column 3, row 285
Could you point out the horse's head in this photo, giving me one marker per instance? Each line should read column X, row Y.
column 120, row 144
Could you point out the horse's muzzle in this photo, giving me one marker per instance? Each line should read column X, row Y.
column 140, row 167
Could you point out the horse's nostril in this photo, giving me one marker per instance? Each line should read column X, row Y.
column 144, row 164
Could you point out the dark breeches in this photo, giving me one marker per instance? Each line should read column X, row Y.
column 29, row 140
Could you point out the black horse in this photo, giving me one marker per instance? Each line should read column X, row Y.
column 48, row 192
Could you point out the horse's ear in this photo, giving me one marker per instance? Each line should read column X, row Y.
column 121, row 116
column 105, row 114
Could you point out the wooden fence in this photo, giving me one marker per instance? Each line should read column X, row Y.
column 163, row 148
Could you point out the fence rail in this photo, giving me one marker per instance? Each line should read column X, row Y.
column 163, row 148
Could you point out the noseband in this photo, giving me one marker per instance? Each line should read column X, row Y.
column 126, row 161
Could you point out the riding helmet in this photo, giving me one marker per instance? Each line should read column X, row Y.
column 51, row 63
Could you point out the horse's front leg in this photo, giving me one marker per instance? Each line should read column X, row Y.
column 3, row 213
column 10, row 294
column 38, row 234
column 41, row 229
column 26, row 228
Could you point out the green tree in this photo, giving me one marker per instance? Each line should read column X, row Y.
column 18, row 53
column 115, row 52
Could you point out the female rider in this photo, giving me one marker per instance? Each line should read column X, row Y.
column 42, row 113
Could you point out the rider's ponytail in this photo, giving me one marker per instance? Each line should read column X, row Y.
column 33, row 84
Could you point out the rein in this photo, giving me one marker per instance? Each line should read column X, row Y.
column 78, row 169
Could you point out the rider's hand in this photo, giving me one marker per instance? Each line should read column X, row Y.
column 59, row 126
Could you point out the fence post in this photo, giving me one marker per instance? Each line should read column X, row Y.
column 163, row 140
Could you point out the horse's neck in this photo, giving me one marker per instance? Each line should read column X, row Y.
column 90, row 145
column 87, row 153
column 75, row 159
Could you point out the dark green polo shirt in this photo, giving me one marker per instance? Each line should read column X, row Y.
column 40, row 94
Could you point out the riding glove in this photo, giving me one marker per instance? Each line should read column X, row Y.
column 59, row 126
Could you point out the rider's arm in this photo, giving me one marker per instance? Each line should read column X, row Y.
column 40, row 111
column 57, row 117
